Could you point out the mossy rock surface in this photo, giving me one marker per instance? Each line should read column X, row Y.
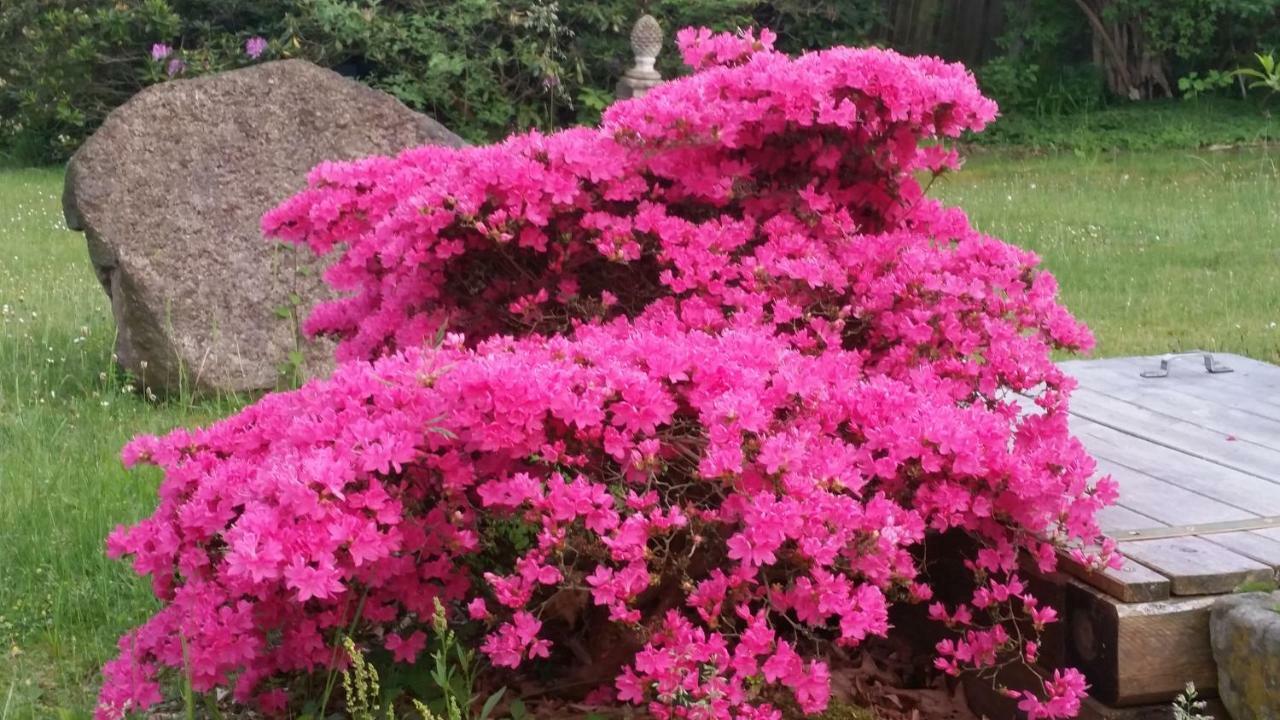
column 1245, row 631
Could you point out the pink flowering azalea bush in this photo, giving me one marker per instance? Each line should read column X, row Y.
column 675, row 399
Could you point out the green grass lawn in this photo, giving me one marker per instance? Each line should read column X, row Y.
column 1156, row 252
column 64, row 415
column 1162, row 252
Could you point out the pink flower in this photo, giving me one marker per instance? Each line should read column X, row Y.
column 176, row 66
column 477, row 609
column 312, row 581
column 753, row 553
column 405, row 649
column 160, row 51
column 255, row 46
column 1062, row 695
column 516, row 641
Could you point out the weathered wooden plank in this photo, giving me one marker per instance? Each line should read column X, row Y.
column 1258, row 400
column 1219, row 412
column 1170, row 503
column 1115, row 519
column 1196, row 566
column 1252, row 386
column 1245, row 372
column 1177, row 434
column 1136, row 653
column 1134, row 582
column 1255, row 495
column 1251, row 545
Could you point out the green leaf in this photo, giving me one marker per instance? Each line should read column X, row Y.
column 492, row 702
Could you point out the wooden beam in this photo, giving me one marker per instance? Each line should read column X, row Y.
column 982, row 694
column 985, row 700
column 1051, row 590
column 1092, row 709
column 1138, row 653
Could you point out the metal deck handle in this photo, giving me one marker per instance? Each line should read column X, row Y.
column 1211, row 365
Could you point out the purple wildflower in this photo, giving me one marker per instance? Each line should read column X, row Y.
column 176, row 66
column 160, row 51
column 255, row 46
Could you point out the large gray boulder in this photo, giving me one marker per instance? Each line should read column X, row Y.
column 1245, row 631
column 170, row 192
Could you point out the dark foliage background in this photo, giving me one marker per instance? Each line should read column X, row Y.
column 489, row 67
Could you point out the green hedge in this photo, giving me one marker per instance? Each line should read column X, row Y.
column 484, row 68
column 1152, row 125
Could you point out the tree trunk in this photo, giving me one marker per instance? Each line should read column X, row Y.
column 1131, row 69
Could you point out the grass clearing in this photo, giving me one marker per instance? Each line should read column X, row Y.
column 1156, row 252
column 64, row 414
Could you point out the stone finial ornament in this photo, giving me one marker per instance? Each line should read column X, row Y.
column 646, row 43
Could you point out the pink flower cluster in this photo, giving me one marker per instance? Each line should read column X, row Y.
column 255, row 46
column 720, row 362
column 161, row 52
column 700, row 48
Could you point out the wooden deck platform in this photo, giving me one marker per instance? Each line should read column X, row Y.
column 1197, row 458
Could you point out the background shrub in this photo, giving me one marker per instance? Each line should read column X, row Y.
column 486, row 68
column 65, row 65
column 482, row 67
